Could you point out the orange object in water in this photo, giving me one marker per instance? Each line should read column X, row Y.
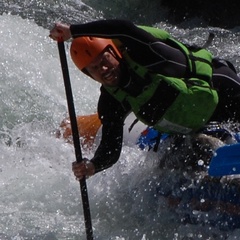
column 88, row 127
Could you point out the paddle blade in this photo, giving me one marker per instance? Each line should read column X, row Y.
column 226, row 161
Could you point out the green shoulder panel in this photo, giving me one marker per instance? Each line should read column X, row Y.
column 196, row 101
column 156, row 32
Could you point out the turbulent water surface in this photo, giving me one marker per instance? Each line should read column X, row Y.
column 40, row 199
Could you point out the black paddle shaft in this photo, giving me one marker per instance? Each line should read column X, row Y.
column 76, row 141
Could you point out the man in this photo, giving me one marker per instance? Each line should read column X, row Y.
column 169, row 86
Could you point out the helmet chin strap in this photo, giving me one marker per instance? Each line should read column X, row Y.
column 113, row 52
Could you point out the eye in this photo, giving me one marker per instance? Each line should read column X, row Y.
column 106, row 58
column 92, row 69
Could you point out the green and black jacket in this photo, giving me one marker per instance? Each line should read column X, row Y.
column 166, row 84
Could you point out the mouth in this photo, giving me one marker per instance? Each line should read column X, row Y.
column 110, row 76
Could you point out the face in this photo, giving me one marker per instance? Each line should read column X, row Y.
column 105, row 69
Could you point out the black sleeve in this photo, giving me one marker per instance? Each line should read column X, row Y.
column 112, row 115
column 124, row 30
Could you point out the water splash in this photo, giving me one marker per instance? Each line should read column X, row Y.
column 40, row 198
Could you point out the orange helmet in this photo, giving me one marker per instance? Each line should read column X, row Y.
column 85, row 49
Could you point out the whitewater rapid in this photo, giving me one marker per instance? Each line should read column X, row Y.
column 40, row 199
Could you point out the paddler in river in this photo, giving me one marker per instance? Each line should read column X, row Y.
column 172, row 87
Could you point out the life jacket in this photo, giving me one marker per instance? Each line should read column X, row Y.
column 193, row 101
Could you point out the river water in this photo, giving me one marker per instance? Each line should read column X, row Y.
column 40, row 199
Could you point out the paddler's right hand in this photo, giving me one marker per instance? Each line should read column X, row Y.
column 84, row 168
column 60, row 32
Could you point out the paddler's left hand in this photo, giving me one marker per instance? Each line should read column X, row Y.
column 84, row 168
column 60, row 32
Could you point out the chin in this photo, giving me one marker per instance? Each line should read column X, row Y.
column 113, row 83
